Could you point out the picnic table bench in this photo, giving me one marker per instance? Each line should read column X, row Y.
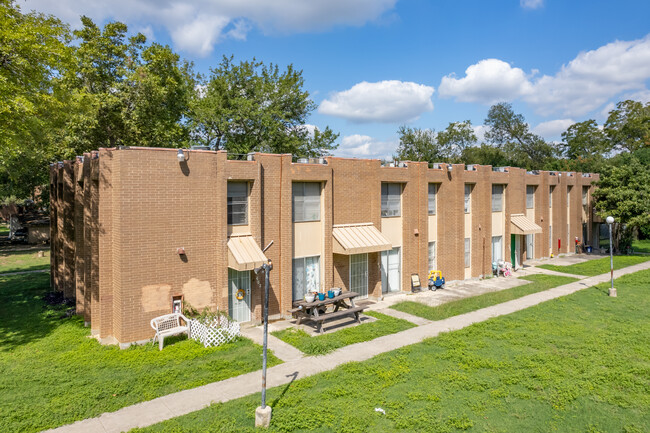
column 314, row 310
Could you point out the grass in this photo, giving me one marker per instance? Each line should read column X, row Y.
column 52, row 373
column 328, row 342
column 641, row 246
column 461, row 306
column 597, row 266
column 15, row 261
column 579, row 363
column 4, row 230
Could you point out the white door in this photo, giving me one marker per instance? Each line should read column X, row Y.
column 517, row 252
column 359, row 274
column 390, row 270
column 530, row 246
column 239, row 286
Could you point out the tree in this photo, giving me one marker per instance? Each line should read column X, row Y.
column 417, row 144
column 254, row 107
column 456, row 138
column 585, row 146
column 485, row 155
column 628, row 126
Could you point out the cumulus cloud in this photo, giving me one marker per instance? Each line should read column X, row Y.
column 197, row 26
column 553, row 128
column 364, row 146
column 531, row 4
column 384, row 101
column 487, row 82
column 584, row 84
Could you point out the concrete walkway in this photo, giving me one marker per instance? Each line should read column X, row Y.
column 184, row 402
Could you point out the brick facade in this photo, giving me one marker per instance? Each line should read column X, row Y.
column 119, row 216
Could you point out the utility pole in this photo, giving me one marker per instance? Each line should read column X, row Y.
column 263, row 412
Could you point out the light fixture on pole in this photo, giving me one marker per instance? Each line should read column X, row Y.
column 612, row 290
column 263, row 412
column 450, row 167
column 180, row 155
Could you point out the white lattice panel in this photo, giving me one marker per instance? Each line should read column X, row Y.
column 216, row 334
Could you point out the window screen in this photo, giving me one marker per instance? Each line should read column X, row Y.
column 468, row 195
column 432, row 256
column 497, row 198
column 433, row 189
column 530, row 196
column 238, row 203
column 306, row 201
column 390, row 199
column 468, row 254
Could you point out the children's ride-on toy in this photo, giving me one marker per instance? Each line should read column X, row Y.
column 436, row 280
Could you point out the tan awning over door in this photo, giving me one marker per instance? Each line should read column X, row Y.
column 521, row 225
column 244, row 254
column 358, row 239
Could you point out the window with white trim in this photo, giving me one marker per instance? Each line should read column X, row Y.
column 497, row 248
column 432, row 255
column 530, row 196
column 433, row 190
column 391, row 199
column 468, row 197
column 497, row 198
column 468, row 253
column 306, row 276
column 237, row 203
column 306, row 201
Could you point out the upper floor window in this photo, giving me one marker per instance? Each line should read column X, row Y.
column 468, row 197
column 390, row 199
column 550, row 196
column 530, row 196
column 433, row 189
column 497, row 198
column 306, row 201
column 585, row 195
column 568, row 195
column 238, row 203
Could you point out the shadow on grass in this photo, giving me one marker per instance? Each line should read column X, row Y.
column 293, row 376
column 25, row 315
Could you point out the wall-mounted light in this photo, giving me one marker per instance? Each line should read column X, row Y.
column 180, row 155
column 450, row 167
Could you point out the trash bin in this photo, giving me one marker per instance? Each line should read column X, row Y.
column 588, row 249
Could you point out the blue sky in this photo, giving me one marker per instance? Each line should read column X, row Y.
column 373, row 65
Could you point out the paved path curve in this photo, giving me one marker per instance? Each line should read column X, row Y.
column 183, row 402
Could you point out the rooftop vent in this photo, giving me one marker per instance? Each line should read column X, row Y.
column 500, row 169
column 471, row 167
column 535, row 172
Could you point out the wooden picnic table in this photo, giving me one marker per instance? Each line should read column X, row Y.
column 313, row 310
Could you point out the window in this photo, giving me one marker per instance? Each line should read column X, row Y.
column 238, row 203
column 530, row 196
column 497, row 198
column 468, row 196
column 306, row 201
column 390, row 199
column 568, row 196
column 585, row 195
column 306, row 276
column 550, row 237
column 432, row 256
column 468, row 253
column 433, row 189
column 550, row 196
column 497, row 248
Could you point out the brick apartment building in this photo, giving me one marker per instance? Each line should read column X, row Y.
column 136, row 230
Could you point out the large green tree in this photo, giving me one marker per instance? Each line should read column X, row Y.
column 251, row 106
column 417, row 144
column 628, row 125
column 456, row 139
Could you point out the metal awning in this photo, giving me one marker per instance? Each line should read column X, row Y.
column 358, row 239
column 244, row 254
column 521, row 225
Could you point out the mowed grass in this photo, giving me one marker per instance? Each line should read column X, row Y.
column 641, row 246
column 537, row 283
column 333, row 340
column 597, row 266
column 580, row 363
column 52, row 373
column 16, row 261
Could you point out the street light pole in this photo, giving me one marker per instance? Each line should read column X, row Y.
column 612, row 290
column 263, row 412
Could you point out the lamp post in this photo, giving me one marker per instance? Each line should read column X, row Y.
column 612, row 290
column 263, row 412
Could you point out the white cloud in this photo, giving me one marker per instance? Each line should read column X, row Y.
column 486, row 82
column 583, row 85
column 384, row 101
column 364, row 146
column 553, row 128
column 479, row 131
column 196, row 26
column 531, row 4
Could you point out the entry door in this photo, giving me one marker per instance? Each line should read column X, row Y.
column 359, row 274
column 239, row 285
column 530, row 246
column 390, row 270
column 517, row 262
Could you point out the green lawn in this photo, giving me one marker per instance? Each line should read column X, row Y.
column 4, row 230
column 597, row 266
column 641, row 246
column 328, row 342
column 461, row 306
column 580, row 363
column 52, row 373
column 14, row 261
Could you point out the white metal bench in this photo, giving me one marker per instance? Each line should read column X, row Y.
column 168, row 325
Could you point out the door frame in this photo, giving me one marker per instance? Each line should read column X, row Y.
column 361, row 295
column 247, row 298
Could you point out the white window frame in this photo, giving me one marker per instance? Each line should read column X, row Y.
column 530, row 196
column 433, row 191
column 468, row 252
column 468, row 197
column 300, row 284
column 236, row 199
column 499, row 240
column 432, row 256
column 497, row 197
column 305, row 204
column 391, row 200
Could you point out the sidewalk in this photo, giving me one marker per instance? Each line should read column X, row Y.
column 184, row 402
